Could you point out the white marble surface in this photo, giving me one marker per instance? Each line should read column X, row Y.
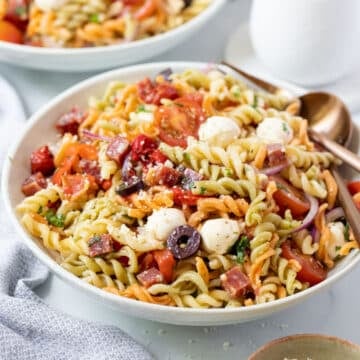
column 332, row 312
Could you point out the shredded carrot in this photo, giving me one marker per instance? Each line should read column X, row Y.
column 256, row 268
column 325, row 236
column 148, row 9
column 332, row 188
column 202, row 269
column 260, row 157
column 346, row 248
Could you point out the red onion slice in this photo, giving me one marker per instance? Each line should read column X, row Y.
column 189, row 177
column 166, row 73
column 334, row 214
column 315, row 234
column 275, row 169
column 314, row 207
column 93, row 136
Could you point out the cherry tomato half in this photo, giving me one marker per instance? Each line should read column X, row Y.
column 353, row 187
column 287, row 200
column 10, row 33
column 179, row 120
column 311, row 271
column 288, row 197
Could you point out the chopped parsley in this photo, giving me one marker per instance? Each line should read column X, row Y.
column 240, row 247
column 55, row 219
column 93, row 240
column 186, row 156
column 236, row 93
column 40, row 210
column 202, row 190
column 141, row 108
column 256, row 101
column 285, row 128
column 187, row 183
column 281, row 186
column 94, row 18
column 228, row 172
column 347, row 232
column 337, row 248
column 337, row 258
column 21, row 10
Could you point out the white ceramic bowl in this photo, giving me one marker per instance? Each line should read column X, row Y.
column 298, row 41
column 40, row 129
column 308, row 346
column 104, row 57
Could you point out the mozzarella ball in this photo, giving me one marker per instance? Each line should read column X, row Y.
column 162, row 222
column 48, row 5
column 275, row 130
column 337, row 239
column 219, row 235
column 219, row 131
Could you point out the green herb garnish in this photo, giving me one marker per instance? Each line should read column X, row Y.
column 236, row 93
column 285, row 128
column 94, row 18
column 141, row 108
column 21, row 10
column 240, row 247
column 347, row 232
column 202, row 190
column 187, row 184
column 281, row 186
column 55, row 219
column 337, row 248
column 40, row 210
column 228, row 172
column 256, row 101
column 93, row 240
column 186, row 156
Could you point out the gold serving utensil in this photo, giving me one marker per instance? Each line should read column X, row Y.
column 330, row 126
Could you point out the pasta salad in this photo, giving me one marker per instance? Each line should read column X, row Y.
column 190, row 189
column 87, row 23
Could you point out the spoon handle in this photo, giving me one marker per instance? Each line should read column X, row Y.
column 265, row 85
column 338, row 150
column 351, row 212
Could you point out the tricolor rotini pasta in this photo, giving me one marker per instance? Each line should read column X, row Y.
column 87, row 23
column 190, row 190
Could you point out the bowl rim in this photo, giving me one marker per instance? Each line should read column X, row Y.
column 122, row 302
column 205, row 15
column 313, row 336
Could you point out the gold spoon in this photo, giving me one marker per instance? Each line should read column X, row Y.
column 329, row 119
column 330, row 126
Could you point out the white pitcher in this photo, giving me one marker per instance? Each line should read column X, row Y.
column 309, row 42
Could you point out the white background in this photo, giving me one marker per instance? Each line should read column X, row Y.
column 334, row 312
